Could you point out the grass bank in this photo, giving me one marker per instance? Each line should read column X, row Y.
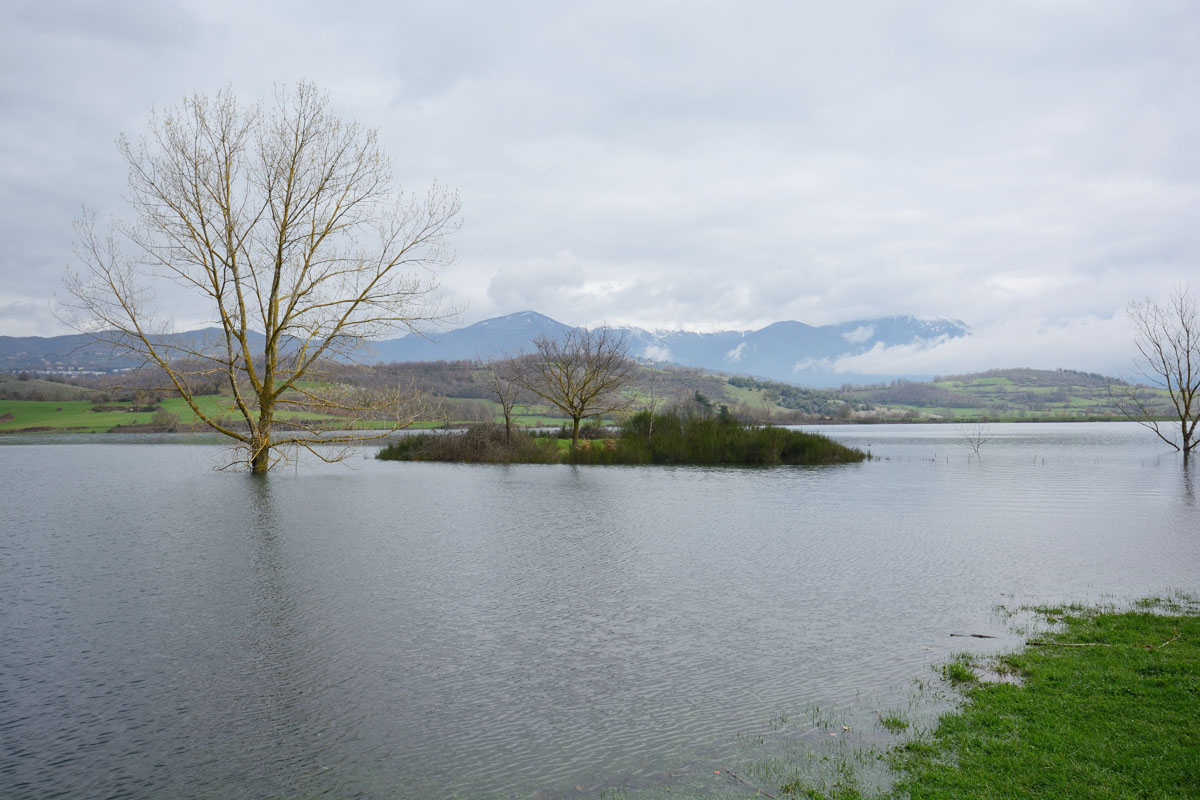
column 662, row 439
column 1106, row 706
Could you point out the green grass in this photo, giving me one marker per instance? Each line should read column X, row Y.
column 77, row 416
column 960, row 671
column 1118, row 717
column 1106, row 706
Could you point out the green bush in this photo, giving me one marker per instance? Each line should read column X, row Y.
column 477, row 444
column 674, row 438
column 669, row 438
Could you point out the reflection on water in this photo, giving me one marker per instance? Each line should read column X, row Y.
column 430, row 630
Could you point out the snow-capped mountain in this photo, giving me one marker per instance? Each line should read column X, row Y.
column 786, row 351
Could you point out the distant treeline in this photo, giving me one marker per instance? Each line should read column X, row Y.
column 1062, row 378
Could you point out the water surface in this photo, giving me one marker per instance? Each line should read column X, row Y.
column 400, row 630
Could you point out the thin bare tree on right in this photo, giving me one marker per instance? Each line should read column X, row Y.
column 1167, row 337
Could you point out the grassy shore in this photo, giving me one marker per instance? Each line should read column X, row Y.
column 1107, row 707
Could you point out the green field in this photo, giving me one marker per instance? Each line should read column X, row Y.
column 78, row 416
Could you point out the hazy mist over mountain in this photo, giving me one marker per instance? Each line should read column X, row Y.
column 786, row 351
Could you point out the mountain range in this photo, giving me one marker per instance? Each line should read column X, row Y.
column 785, row 351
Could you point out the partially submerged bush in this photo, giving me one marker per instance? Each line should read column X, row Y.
column 674, row 438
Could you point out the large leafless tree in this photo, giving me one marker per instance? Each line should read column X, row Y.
column 1167, row 338
column 287, row 224
column 581, row 373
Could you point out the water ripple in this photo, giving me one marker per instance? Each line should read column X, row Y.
column 425, row 630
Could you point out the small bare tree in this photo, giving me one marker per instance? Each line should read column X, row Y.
column 1167, row 338
column 286, row 223
column 581, row 373
column 502, row 374
column 974, row 435
column 653, row 391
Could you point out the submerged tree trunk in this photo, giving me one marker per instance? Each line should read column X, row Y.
column 260, row 445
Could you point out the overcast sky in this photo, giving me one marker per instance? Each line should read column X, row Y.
column 1025, row 167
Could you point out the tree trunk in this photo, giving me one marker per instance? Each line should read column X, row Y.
column 574, row 432
column 260, row 444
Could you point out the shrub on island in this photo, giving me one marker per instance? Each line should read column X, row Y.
column 667, row 438
column 674, row 438
column 479, row 444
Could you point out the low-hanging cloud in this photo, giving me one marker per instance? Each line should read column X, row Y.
column 1090, row 344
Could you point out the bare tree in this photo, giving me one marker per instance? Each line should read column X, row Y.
column 581, row 373
column 285, row 221
column 652, row 388
column 767, row 398
column 1167, row 338
column 974, row 435
column 502, row 381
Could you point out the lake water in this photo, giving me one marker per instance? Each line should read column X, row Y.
column 394, row 630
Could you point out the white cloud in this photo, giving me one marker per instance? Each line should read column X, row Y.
column 1090, row 344
column 26, row 316
column 862, row 333
column 626, row 163
column 656, row 352
column 821, row 364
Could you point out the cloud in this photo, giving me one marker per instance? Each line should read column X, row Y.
column 720, row 169
column 862, row 333
column 656, row 352
column 26, row 316
column 1090, row 344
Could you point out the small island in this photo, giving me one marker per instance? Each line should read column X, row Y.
column 646, row 438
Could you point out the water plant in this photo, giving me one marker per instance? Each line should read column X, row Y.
column 894, row 722
column 961, row 670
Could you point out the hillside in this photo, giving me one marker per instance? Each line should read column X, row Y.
column 463, row 395
column 24, row 387
column 998, row 394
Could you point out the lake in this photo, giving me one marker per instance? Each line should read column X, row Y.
column 410, row 630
